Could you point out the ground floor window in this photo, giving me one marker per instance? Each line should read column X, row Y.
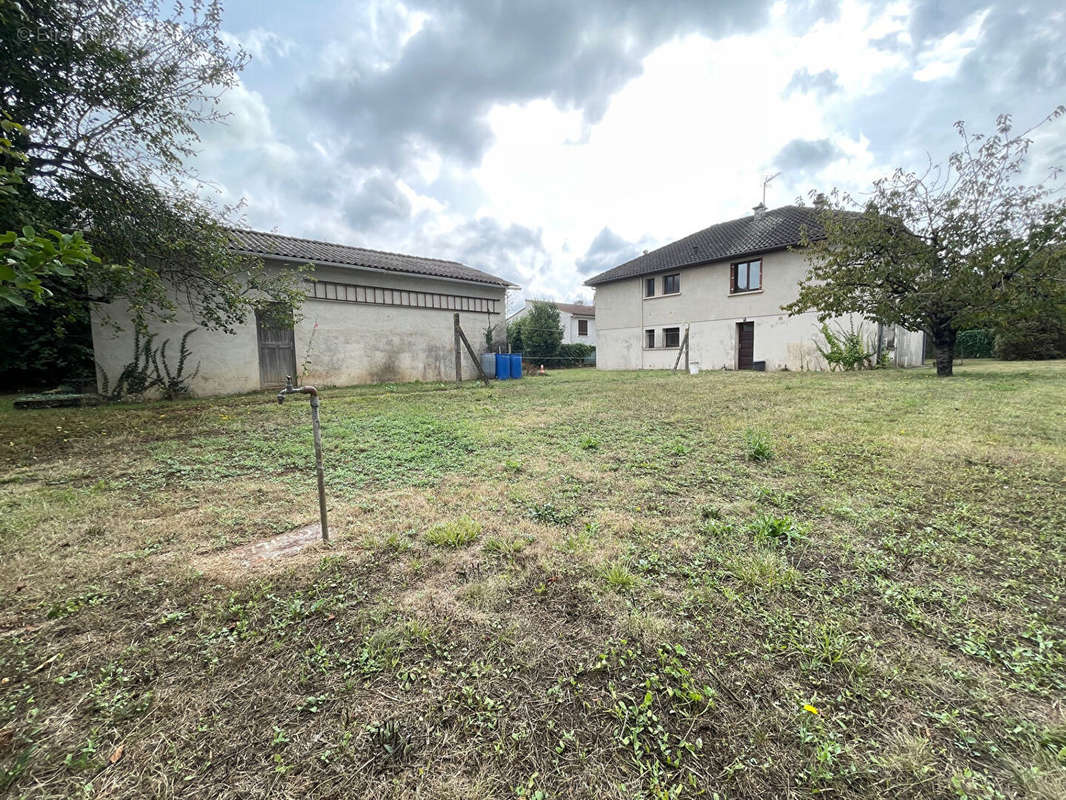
column 649, row 338
column 582, row 327
column 671, row 337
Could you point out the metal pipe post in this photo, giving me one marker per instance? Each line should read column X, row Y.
column 316, row 433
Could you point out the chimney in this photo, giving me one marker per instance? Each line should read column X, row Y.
column 759, row 210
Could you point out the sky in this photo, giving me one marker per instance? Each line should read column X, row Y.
column 547, row 141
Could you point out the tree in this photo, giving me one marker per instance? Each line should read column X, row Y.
column 514, row 335
column 958, row 246
column 27, row 259
column 107, row 98
column 542, row 333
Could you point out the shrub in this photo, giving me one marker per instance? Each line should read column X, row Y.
column 1036, row 338
column 576, row 354
column 457, row 533
column 846, row 349
column 977, row 343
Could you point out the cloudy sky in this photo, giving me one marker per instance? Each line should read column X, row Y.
column 546, row 141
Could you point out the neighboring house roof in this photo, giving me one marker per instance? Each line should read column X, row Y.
column 576, row 309
column 775, row 229
column 267, row 245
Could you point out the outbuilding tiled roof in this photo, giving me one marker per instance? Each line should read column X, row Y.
column 775, row 229
column 266, row 245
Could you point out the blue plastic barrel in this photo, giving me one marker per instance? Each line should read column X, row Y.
column 503, row 366
column 516, row 365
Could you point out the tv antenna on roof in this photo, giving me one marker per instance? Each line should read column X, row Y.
column 765, row 183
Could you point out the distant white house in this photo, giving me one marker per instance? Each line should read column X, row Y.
column 578, row 320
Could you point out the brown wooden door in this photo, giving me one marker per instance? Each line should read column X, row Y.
column 277, row 351
column 745, row 344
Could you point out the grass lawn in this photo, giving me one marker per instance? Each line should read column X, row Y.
column 593, row 585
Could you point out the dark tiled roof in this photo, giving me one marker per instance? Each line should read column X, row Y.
column 266, row 245
column 570, row 308
column 776, row 229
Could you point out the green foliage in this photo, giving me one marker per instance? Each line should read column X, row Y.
column 104, row 123
column 514, row 335
column 542, row 332
column 575, row 354
column 457, row 533
column 619, row 577
column 149, row 369
column 47, row 344
column 1036, row 337
column 961, row 245
column 975, row 343
column 846, row 349
column 757, row 445
column 777, row 530
column 175, row 384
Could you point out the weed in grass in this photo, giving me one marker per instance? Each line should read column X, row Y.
column 72, row 605
column 397, row 542
column 769, row 529
column 757, row 445
column 590, row 443
column 389, row 742
column 507, row 546
column 619, row 577
column 709, row 512
column 763, row 569
column 457, row 533
column 551, row 514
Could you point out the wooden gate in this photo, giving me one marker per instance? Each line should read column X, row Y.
column 745, row 344
column 277, row 350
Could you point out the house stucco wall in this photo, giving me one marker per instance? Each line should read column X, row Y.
column 712, row 313
column 570, row 335
column 353, row 343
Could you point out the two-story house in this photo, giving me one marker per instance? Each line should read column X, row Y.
column 726, row 284
column 577, row 320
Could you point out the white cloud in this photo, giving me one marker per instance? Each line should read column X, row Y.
column 677, row 141
column 945, row 58
column 262, row 45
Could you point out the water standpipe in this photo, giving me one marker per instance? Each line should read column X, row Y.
column 317, row 435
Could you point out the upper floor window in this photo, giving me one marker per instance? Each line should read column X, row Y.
column 746, row 276
column 671, row 284
column 649, row 287
column 582, row 327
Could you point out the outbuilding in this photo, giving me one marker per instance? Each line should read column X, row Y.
column 368, row 317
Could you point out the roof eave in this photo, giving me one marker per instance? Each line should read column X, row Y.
column 596, row 279
column 327, row 263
